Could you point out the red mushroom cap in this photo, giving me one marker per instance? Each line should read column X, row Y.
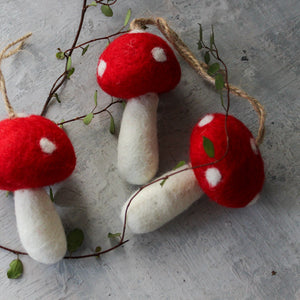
column 137, row 63
column 238, row 178
column 34, row 152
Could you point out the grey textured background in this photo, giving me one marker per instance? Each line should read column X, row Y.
column 208, row 252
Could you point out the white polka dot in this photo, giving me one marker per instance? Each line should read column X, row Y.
column 159, row 54
column 47, row 146
column 254, row 200
column 101, row 67
column 207, row 119
column 253, row 146
column 213, row 176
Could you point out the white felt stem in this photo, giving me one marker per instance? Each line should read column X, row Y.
column 137, row 146
column 39, row 226
column 156, row 205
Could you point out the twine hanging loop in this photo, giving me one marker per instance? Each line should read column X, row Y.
column 200, row 67
column 3, row 55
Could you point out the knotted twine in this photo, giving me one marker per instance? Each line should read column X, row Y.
column 200, row 67
column 3, row 55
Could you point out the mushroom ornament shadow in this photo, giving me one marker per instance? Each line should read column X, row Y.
column 138, row 66
column 232, row 175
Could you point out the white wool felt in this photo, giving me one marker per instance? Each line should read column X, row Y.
column 137, row 145
column 213, row 176
column 39, row 226
column 159, row 54
column 137, row 31
column 47, row 146
column 156, row 205
column 101, row 67
column 204, row 121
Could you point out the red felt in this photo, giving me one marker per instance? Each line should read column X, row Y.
column 242, row 170
column 22, row 162
column 132, row 71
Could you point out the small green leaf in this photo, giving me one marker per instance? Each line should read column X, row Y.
column 57, row 98
column 212, row 38
column 84, row 50
column 69, row 63
column 93, row 3
column 200, row 37
column 98, row 249
column 61, row 125
column 207, row 57
column 222, row 100
column 75, row 239
column 70, row 72
column 88, row 118
column 60, row 55
column 213, row 69
column 163, row 182
column 113, row 235
column 127, row 18
column 106, row 10
column 219, row 82
column 112, row 128
column 180, row 164
column 208, row 147
column 15, row 270
column 96, row 98
column 51, row 194
column 200, row 33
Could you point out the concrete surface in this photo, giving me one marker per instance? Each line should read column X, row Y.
column 208, row 252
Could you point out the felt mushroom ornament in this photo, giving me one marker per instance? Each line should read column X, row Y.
column 34, row 152
column 136, row 67
column 233, row 180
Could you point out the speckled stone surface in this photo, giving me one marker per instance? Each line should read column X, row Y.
column 208, row 252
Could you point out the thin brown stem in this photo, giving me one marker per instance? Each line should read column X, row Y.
column 97, row 39
column 53, row 91
column 96, row 113
column 72, row 257
column 13, row 251
column 226, row 78
column 97, row 254
column 64, row 76
column 56, row 81
column 83, row 11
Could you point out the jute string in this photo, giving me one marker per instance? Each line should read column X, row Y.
column 3, row 55
column 200, row 67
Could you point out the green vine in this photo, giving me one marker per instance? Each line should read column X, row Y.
column 75, row 238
